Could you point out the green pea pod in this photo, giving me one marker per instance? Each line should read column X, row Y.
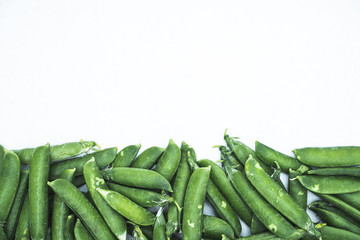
column 220, row 180
column 330, row 184
column 103, row 158
column 60, row 210
column 69, row 228
column 276, row 176
column 194, row 203
column 78, row 203
column 340, row 171
column 271, row 236
column 278, row 197
column 331, row 233
column 143, row 197
column 147, row 158
column 260, row 207
column 214, row 227
column 126, row 156
column 169, row 161
column 137, row 177
column 80, row 231
column 113, row 219
column 352, row 199
column 160, row 226
column 334, row 217
column 138, row 234
column 229, row 156
column 14, row 214
column 329, row 156
column 58, row 152
column 242, row 152
column 127, row 208
column 38, row 192
column 297, row 191
column 22, row 229
column 269, row 156
column 9, row 179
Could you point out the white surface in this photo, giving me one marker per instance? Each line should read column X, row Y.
column 121, row 72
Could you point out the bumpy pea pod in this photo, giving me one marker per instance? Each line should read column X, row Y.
column 179, row 188
column 103, row 158
column 352, row 199
column 137, row 177
column 80, row 231
column 126, row 156
column 60, row 210
column 297, row 191
column 82, row 207
column 242, row 152
column 94, row 180
column 214, row 227
column 270, row 236
column 14, row 214
column 38, row 192
column 331, row 233
column 58, row 152
column 269, row 156
column 229, row 156
column 194, row 203
column 147, row 158
column 340, row 171
column 278, row 197
column 169, row 161
column 160, row 226
column 260, row 207
column 9, row 179
column 334, row 217
column 69, row 227
column 22, row 229
column 330, row 184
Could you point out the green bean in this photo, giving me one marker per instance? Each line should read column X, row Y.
column 22, row 229
column 270, row 236
column 38, row 192
column 169, row 161
column 329, row 156
column 297, row 191
column 94, row 180
column 9, row 179
column 147, row 158
column 269, row 156
column 350, row 198
column 58, row 152
column 342, row 171
column 260, row 207
column 14, row 214
column 214, row 227
column 80, row 232
column 69, row 227
column 126, row 156
column 331, row 233
column 179, row 188
column 220, row 180
column 160, row 226
column 78, row 203
column 242, row 152
column 60, row 209
column 103, row 158
column 194, row 203
column 137, row 177
column 127, row 208
column 330, row 184
column 278, row 197
column 143, row 197
column 229, row 156
column 334, row 217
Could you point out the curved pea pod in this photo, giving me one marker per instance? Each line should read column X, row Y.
column 169, row 161
column 331, row 233
column 194, row 203
column 14, row 214
column 80, row 231
column 278, row 197
column 297, row 191
column 260, row 207
column 69, row 227
column 330, row 184
column 9, row 179
column 137, row 177
column 94, row 180
column 352, row 199
column 160, row 226
column 147, row 158
column 329, row 156
column 127, row 208
column 78, row 203
column 126, row 156
column 271, row 236
column 58, row 152
column 269, row 156
column 214, row 227
column 339, row 171
column 103, row 158
column 22, row 228
column 334, row 217
column 218, row 176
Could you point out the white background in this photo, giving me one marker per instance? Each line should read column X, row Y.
column 285, row 73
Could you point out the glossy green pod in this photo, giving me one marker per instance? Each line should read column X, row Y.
column 147, row 158
column 126, row 156
column 214, row 227
column 169, row 161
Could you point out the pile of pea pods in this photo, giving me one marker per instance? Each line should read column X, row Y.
column 78, row 191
